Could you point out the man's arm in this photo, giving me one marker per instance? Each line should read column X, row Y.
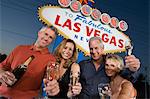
column 132, row 63
column 132, row 71
column 6, row 77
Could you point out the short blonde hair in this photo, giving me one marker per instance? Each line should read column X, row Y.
column 117, row 58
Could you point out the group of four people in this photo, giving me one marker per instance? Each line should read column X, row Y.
column 92, row 71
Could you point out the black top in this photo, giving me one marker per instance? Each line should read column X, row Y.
column 63, row 85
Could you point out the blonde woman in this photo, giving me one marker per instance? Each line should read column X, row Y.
column 120, row 87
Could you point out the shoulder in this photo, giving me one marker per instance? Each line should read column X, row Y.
column 84, row 62
column 128, row 89
column 21, row 47
column 51, row 57
column 126, row 84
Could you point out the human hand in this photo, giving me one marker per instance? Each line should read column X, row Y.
column 132, row 62
column 106, row 90
column 51, row 87
column 7, row 78
column 75, row 90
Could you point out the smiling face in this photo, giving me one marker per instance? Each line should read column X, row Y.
column 111, row 67
column 45, row 37
column 67, row 51
column 96, row 50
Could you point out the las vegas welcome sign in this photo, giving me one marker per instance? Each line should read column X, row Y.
column 80, row 23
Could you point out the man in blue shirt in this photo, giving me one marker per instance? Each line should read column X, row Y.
column 93, row 72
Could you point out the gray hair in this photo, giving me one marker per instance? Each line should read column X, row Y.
column 51, row 27
column 97, row 38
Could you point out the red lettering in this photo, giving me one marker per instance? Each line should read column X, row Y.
column 57, row 19
column 113, row 40
column 89, row 31
column 77, row 27
column 121, row 43
column 105, row 39
column 67, row 24
column 96, row 33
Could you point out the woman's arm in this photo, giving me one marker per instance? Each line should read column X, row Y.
column 126, row 90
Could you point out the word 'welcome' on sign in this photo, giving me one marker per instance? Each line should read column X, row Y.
column 86, row 10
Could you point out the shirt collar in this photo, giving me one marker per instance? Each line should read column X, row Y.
column 43, row 51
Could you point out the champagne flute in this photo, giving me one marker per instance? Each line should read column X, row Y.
column 104, row 90
column 129, row 48
column 50, row 75
column 74, row 77
column 74, row 74
column 51, row 71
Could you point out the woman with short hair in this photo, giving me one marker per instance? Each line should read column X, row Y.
column 120, row 87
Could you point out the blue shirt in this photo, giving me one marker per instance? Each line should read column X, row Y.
column 90, row 78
